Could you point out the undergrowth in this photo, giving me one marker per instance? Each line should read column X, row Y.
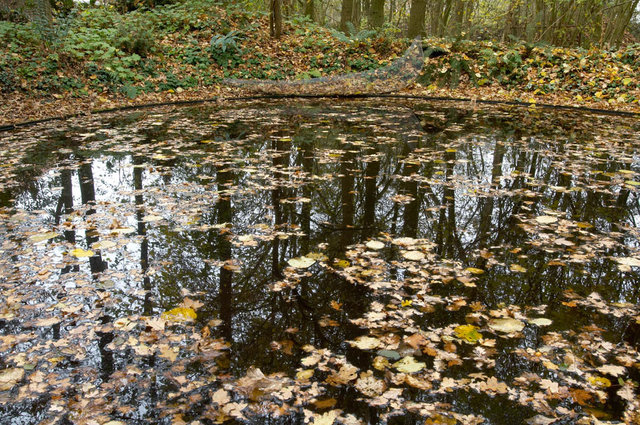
column 197, row 43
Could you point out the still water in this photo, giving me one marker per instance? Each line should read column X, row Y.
column 321, row 262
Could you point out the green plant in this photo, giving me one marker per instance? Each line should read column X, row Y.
column 7, row 79
column 135, row 37
column 224, row 49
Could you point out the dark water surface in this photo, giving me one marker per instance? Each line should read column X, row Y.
column 321, row 262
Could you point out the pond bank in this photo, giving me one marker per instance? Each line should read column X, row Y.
column 19, row 108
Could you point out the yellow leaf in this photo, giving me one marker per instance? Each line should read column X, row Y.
column 304, row 375
column 81, row 253
column 599, row 381
column 474, row 270
column 342, row 263
column 517, row 268
column 406, row 303
column 468, row 333
column 180, row 314
column 627, row 81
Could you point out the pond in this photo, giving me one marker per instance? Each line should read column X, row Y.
column 299, row 261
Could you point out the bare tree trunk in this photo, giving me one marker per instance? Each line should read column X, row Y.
column 275, row 19
column 376, row 13
column 346, row 14
column 310, row 9
column 357, row 13
column 416, row 18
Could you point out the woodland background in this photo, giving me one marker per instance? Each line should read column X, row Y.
column 61, row 56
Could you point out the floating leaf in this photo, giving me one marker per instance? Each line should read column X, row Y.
column 41, row 237
column 599, row 381
column 468, row 333
column 365, row 343
column 612, row 370
column 342, row 263
column 180, row 314
column 474, row 270
column 405, row 241
column 304, row 375
column 409, row 365
column 375, row 245
column 540, row 321
column 151, row 218
column 390, row 354
column 318, row 256
column 517, row 268
column 103, row 245
column 584, row 225
column 9, row 377
column 81, row 253
column 326, row 419
column 413, row 255
column 406, row 303
column 628, row 261
column 507, row 325
column 123, row 230
column 546, row 219
column 301, row 262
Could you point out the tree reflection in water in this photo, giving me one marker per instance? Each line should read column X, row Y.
column 204, row 207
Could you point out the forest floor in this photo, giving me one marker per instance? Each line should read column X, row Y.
column 106, row 60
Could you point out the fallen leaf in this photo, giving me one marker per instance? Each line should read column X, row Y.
column 612, row 370
column 468, row 333
column 180, row 314
column 9, row 377
column 507, row 325
column 540, row 321
column 365, row 343
column 41, row 237
column 409, row 365
column 81, row 253
column 546, row 219
column 327, row 418
column 413, row 255
column 375, row 245
column 301, row 262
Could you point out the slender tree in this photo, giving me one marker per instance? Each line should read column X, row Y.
column 275, row 18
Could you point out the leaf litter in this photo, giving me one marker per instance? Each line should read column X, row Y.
column 441, row 264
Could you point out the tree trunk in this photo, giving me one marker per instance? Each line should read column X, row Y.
column 416, row 18
column 346, row 14
column 275, row 19
column 376, row 13
column 357, row 13
column 310, row 9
